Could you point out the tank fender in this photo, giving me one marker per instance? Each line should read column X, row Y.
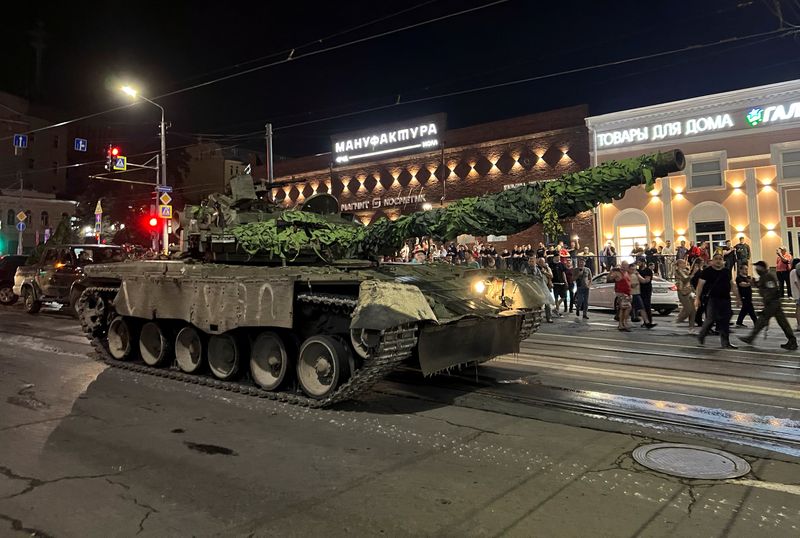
column 383, row 304
column 519, row 291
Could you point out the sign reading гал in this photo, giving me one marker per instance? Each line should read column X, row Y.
column 727, row 121
column 414, row 135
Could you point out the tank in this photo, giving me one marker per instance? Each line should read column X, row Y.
column 294, row 304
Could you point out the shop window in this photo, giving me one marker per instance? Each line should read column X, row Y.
column 45, row 219
column 705, row 174
column 790, row 164
column 629, row 237
column 712, row 232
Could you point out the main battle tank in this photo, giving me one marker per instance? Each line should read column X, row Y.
column 294, row 304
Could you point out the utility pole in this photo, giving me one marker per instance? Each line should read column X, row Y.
column 20, row 177
column 268, row 128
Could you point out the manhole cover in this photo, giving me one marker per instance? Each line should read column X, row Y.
column 691, row 461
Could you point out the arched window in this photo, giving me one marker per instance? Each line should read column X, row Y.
column 45, row 218
column 10, row 218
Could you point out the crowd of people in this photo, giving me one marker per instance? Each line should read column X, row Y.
column 707, row 280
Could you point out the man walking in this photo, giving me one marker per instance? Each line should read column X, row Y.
column 745, row 285
column 559, row 283
column 582, row 276
column 646, row 287
column 622, row 291
column 715, row 283
column 769, row 290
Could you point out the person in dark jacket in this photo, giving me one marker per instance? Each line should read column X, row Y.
column 716, row 282
column 770, row 293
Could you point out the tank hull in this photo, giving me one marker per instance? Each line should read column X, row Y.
column 445, row 316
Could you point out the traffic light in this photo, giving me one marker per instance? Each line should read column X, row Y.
column 111, row 152
column 153, row 222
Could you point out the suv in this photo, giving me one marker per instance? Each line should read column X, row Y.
column 8, row 267
column 55, row 278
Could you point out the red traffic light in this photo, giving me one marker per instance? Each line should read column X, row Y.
column 115, row 151
column 153, row 222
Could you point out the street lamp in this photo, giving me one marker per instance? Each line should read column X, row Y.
column 134, row 94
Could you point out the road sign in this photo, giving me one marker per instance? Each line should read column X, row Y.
column 163, row 188
column 120, row 163
column 20, row 141
column 165, row 199
column 165, row 211
column 98, row 209
column 21, row 216
column 81, row 144
column 21, row 226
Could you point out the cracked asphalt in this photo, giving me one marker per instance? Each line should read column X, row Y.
column 92, row 451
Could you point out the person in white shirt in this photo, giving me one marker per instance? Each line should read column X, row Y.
column 668, row 254
column 794, row 283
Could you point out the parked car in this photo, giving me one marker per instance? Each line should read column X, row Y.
column 56, row 277
column 664, row 300
column 8, row 268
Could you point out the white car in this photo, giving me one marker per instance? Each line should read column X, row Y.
column 664, row 300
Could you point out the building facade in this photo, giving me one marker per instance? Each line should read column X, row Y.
column 416, row 165
column 42, row 164
column 43, row 211
column 742, row 176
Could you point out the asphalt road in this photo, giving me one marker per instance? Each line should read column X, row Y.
column 92, row 451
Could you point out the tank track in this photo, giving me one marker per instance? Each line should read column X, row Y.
column 530, row 324
column 395, row 346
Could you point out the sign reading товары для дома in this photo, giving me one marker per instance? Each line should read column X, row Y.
column 700, row 125
column 410, row 136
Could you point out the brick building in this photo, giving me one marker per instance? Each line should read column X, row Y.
column 454, row 164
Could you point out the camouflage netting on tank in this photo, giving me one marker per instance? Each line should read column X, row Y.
column 502, row 213
column 297, row 230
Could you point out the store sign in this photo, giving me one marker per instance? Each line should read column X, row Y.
column 667, row 130
column 728, row 121
column 386, row 201
column 772, row 114
column 420, row 134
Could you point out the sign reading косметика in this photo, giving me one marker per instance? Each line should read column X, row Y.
column 700, row 125
column 411, row 136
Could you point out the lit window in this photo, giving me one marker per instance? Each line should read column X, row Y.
column 790, row 162
column 705, row 174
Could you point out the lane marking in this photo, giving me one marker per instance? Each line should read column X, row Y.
column 774, row 486
column 706, row 383
column 651, row 343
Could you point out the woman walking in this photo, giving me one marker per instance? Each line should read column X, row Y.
column 683, row 282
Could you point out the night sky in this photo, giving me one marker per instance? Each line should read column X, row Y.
column 165, row 46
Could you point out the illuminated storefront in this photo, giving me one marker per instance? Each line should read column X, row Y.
column 418, row 164
column 742, row 177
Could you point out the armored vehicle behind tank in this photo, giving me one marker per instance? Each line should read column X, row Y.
column 293, row 304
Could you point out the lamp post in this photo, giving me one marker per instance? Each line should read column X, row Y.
column 163, row 176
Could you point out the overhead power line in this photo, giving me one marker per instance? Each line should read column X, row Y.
column 290, row 58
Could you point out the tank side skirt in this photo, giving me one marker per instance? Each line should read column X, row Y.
column 395, row 346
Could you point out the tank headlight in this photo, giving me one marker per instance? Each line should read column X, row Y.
column 479, row 287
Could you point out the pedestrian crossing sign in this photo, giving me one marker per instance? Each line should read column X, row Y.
column 165, row 211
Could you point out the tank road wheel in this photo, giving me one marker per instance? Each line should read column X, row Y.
column 269, row 361
column 323, row 365
column 154, row 344
column 121, row 338
column 190, row 350
column 224, row 355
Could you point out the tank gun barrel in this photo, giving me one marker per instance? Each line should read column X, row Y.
column 514, row 210
column 502, row 213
